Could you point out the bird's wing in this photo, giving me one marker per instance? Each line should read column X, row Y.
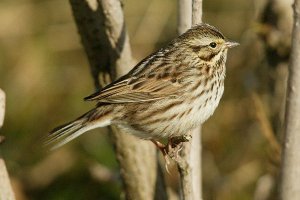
column 148, row 81
column 143, row 90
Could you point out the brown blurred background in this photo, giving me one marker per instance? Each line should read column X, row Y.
column 45, row 74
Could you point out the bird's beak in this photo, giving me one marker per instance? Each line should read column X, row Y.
column 230, row 44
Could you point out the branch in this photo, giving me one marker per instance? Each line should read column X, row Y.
column 290, row 179
column 197, row 12
column 6, row 191
column 189, row 167
column 184, row 15
column 103, row 33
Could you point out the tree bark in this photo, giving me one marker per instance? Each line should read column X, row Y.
column 189, row 167
column 290, row 176
column 101, row 26
column 6, row 192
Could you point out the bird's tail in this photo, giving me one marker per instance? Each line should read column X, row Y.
column 98, row 117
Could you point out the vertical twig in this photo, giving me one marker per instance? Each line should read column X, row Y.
column 184, row 15
column 197, row 12
column 101, row 26
column 290, row 176
column 6, row 192
column 190, row 13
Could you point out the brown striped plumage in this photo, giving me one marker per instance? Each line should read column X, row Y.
column 165, row 95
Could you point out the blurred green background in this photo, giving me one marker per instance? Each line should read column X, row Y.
column 45, row 74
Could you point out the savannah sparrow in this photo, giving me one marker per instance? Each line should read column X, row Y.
column 166, row 95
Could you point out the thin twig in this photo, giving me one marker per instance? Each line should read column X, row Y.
column 189, row 165
column 290, row 176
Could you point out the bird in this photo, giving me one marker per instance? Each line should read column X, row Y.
column 167, row 94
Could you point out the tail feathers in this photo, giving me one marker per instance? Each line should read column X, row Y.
column 63, row 134
column 67, row 132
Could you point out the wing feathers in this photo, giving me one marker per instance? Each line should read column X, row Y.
column 148, row 81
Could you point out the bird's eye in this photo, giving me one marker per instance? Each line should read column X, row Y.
column 213, row 44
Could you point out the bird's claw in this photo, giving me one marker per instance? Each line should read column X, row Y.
column 172, row 148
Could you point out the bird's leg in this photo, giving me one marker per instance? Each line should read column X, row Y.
column 164, row 149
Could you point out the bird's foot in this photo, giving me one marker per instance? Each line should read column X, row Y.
column 172, row 148
column 177, row 140
column 176, row 144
